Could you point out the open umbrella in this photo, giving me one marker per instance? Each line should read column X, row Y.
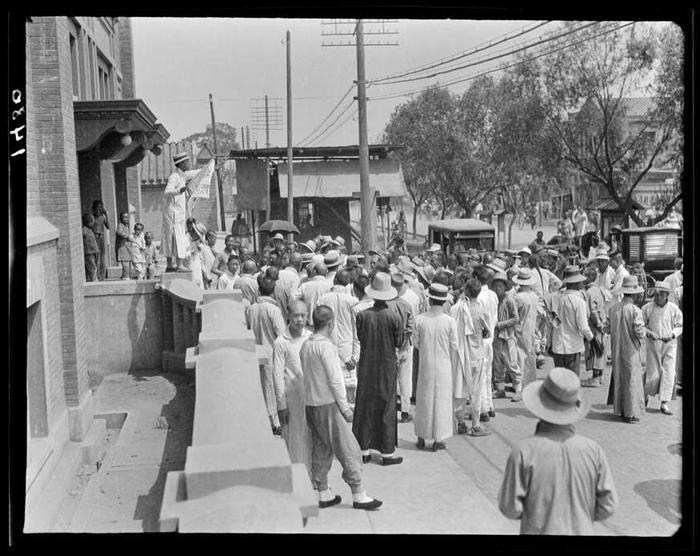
column 278, row 226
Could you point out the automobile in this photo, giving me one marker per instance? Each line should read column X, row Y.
column 465, row 232
column 657, row 248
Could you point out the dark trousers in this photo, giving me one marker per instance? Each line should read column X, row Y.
column 570, row 361
column 415, row 375
column 101, row 257
column 91, row 267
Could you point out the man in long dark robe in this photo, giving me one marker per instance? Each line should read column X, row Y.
column 380, row 332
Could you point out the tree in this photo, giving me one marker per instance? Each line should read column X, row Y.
column 422, row 126
column 588, row 89
column 225, row 138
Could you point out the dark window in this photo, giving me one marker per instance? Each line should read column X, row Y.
column 306, row 213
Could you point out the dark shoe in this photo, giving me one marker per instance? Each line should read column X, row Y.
column 413, row 400
column 392, row 460
column 462, row 428
column 492, row 413
column 499, row 394
column 478, row 431
column 406, row 417
column 182, row 269
column 484, row 418
column 646, row 401
column 517, row 398
column 665, row 410
column 540, row 363
column 336, row 500
column 371, row 505
column 438, row 446
column 420, row 444
column 171, row 269
column 366, row 459
column 631, row 420
column 277, row 431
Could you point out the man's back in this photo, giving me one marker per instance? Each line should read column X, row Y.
column 311, row 290
column 557, row 483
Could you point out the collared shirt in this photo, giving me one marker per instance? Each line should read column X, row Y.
column 664, row 321
column 545, row 282
column 286, row 362
column 507, row 318
column 221, row 263
column 311, row 291
column 287, row 288
column 488, row 300
column 227, row 281
column 570, row 322
column 596, row 307
column 405, row 311
column 264, row 318
column 249, row 287
column 323, row 378
column 344, row 330
column 557, row 483
column 176, row 202
column 616, row 290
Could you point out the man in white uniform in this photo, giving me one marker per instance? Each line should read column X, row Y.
column 174, row 241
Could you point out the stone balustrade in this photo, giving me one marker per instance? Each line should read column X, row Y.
column 238, row 476
column 180, row 318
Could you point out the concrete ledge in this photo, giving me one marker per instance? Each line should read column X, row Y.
column 180, row 285
column 215, row 295
column 80, row 417
column 40, row 230
column 191, row 355
column 90, row 447
column 223, row 314
column 174, row 494
column 213, row 340
column 120, row 287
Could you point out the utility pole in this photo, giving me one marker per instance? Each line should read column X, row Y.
column 290, row 152
column 368, row 212
column 267, row 125
column 242, row 139
column 222, row 214
column 247, row 138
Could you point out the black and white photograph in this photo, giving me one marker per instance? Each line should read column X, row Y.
column 381, row 275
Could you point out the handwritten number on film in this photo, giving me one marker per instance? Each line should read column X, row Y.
column 17, row 132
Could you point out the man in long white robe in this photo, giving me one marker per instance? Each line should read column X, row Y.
column 663, row 321
column 461, row 362
column 288, row 378
column 174, row 244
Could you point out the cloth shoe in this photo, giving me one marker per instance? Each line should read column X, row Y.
column 484, row 418
column 462, row 428
column 631, row 420
column 665, row 410
column 438, row 446
column 367, row 458
column 328, row 503
column 517, row 398
column 371, row 505
column 591, row 383
column 392, row 460
column 478, row 431
column 492, row 413
column 406, row 417
column 420, row 444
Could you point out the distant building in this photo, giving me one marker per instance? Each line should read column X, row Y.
column 85, row 135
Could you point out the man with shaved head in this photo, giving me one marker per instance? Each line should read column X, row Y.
column 314, row 288
column 288, row 378
column 287, row 288
column 247, row 281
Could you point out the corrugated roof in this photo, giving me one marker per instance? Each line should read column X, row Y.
column 336, row 178
column 461, row 225
column 156, row 169
column 610, row 204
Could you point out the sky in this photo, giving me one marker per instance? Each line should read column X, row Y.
column 179, row 61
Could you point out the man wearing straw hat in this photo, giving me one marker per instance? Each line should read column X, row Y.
column 527, row 303
column 488, row 300
column 174, row 241
column 664, row 323
column 626, row 391
column 557, row 482
column 379, row 331
column 597, row 320
column 505, row 347
column 569, row 314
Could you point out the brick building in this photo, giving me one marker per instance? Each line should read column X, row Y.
column 86, row 134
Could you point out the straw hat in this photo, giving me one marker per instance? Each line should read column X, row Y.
column 498, row 265
column 417, row 263
column 501, row 276
column 381, row 287
column 404, row 265
column 338, row 241
column 630, row 285
column 524, row 277
column 310, row 245
column 434, row 247
column 278, row 236
column 332, row 259
column 525, row 250
column 180, row 157
column 572, row 275
column 662, row 286
column 601, row 254
column 427, row 272
column 556, row 399
column 315, row 259
column 438, row 291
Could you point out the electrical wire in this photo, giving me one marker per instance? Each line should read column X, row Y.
column 501, row 67
column 314, row 130
column 491, row 58
column 478, row 48
column 340, row 125
column 317, row 135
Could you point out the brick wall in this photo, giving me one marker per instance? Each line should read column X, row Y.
column 126, row 57
column 33, row 199
column 52, row 105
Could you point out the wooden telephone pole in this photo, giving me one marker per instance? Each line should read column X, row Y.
column 290, row 151
column 222, row 214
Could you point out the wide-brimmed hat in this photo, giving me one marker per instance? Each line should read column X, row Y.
column 498, row 265
column 417, row 263
column 310, row 245
column 501, row 276
column 438, row 291
column 434, row 247
column 180, row 157
column 332, row 258
column 338, row 240
column 316, row 258
column 601, row 254
column 630, row 285
column 404, row 265
column 381, row 288
column 427, row 272
column 551, row 252
column 556, row 399
column 524, row 277
column 662, row 286
column 200, row 229
column 374, row 252
column 525, row 250
column 572, row 275
column 278, row 236
column 294, row 243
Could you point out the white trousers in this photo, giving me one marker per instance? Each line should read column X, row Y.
column 661, row 366
column 404, row 378
column 486, row 386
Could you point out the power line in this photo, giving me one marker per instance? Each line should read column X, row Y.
column 314, row 130
column 340, row 125
column 350, row 105
column 229, row 99
column 490, row 59
column 478, row 48
column 501, row 68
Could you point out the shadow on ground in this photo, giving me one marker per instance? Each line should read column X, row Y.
column 177, row 415
column 662, row 496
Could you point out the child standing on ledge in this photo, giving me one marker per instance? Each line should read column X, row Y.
column 138, row 255
column 151, row 254
column 90, row 248
column 123, row 245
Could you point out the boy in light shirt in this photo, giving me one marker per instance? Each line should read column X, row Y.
column 227, row 281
